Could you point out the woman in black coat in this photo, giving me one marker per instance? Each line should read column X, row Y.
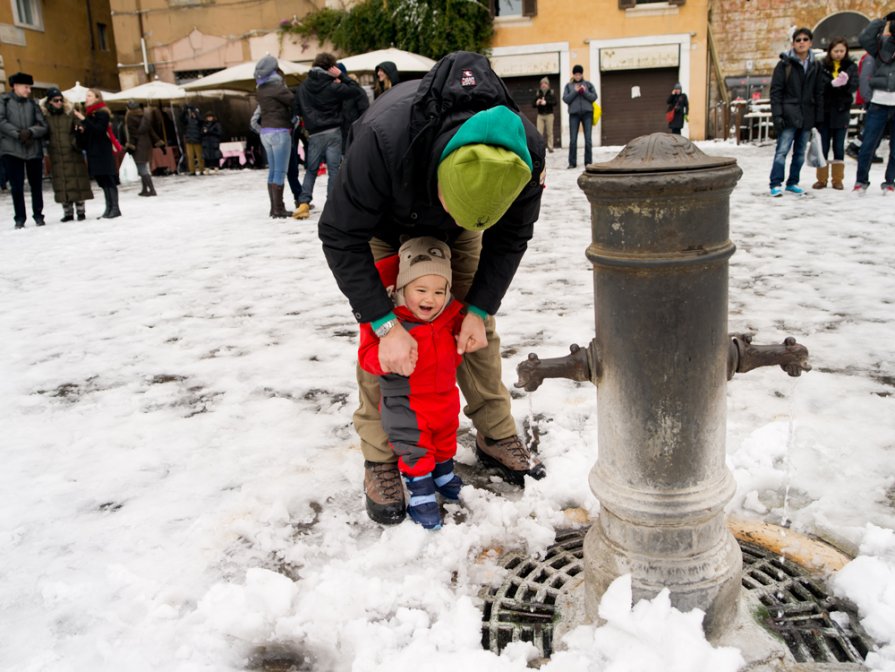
column 677, row 110
column 212, row 132
column 100, row 145
column 840, row 78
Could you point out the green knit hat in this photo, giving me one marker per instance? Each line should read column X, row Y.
column 484, row 168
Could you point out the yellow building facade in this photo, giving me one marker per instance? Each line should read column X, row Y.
column 58, row 43
column 179, row 40
column 633, row 53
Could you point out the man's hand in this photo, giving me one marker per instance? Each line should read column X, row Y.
column 472, row 334
column 398, row 351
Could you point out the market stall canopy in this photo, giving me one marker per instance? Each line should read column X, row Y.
column 242, row 77
column 157, row 90
column 406, row 61
column 78, row 93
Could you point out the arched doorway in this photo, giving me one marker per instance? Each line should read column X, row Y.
column 842, row 24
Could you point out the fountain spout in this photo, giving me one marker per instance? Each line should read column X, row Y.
column 742, row 356
column 580, row 364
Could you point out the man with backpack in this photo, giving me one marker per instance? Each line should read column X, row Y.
column 797, row 106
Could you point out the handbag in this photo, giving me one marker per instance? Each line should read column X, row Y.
column 598, row 112
column 815, row 156
column 669, row 116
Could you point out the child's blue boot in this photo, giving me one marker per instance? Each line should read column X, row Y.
column 447, row 483
column 423, row 508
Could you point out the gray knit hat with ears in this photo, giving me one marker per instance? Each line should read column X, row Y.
column 545, row 80
column 423, row 256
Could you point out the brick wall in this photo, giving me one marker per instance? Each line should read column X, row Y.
column 758, row 30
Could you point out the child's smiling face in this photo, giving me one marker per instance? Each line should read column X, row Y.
column 426, row 296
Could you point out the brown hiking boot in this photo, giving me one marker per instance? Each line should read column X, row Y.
column 384, row 492
column 510, row 457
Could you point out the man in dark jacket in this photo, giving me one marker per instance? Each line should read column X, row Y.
column 543, row 103
column 580, row 95
column 192, row 139
column 797, row 106
column 878, row 38
column 22, row 125
column 449, row 157
column 319, row 102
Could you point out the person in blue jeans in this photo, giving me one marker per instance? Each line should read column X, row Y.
column 878, row 86
column 579, row 95
column 797, row 106
column 273, row 122
column 319, row 101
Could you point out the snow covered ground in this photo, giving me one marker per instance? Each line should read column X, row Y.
column 181, row 490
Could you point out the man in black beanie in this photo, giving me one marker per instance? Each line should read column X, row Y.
column 579, row 94
column 22, row 125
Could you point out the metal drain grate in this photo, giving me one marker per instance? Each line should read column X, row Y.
column 798, row 610
column 523, row 608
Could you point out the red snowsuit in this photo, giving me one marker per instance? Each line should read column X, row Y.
column 420, row 413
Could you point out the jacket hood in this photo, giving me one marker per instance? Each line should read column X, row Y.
column 390, row 69
column 318, row 79
column 790, row 55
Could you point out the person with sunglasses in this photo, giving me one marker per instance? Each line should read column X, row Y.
column 71, row 183
column 797, row 106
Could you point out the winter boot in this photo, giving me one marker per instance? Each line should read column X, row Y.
column 510, row 457
column 108, row 198
column 81, row 211
column 303, row 211
column 270, row 198
column 383, row 492
column 148, row 188
column 68, row 211
column 39, row 220
column 822, row 175
column 279, row 208
column 113, row 200
column 423, row 508
column 447, row 483
column 20, row 223
column 838, row 174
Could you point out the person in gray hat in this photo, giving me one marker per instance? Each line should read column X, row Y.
column 71, row 183
column 22, row 127
column 273, row 124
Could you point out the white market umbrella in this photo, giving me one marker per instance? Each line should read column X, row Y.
column 151, row 91
column 76, row 94
column 242, row 77
column 406, row 61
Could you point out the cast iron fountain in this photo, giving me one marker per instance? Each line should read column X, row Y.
column 661, row 360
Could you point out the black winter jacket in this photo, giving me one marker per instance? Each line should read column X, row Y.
column 100, row 153
column 320, row 99
column 838, row 99
column 797, row 98
column 549, row 101
column 353, row 107
column 192, row 125
column 681, row 106
column 387, row 185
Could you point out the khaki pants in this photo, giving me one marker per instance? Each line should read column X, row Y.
column 195, row 163
column 545, row 127
column 479, row 375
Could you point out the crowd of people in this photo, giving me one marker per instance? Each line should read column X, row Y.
column 809, row 94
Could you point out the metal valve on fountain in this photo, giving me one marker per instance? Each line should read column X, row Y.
column 660, row 360
column 583, row 364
